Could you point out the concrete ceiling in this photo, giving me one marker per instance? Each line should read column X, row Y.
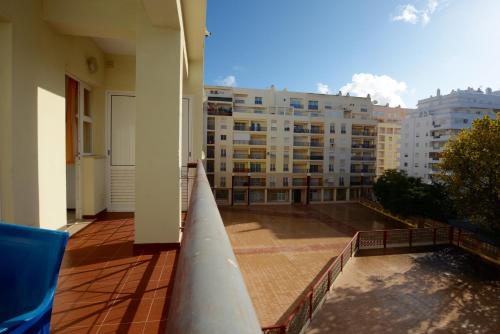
column 116, row 46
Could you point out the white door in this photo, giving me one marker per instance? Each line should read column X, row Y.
column 121, row 151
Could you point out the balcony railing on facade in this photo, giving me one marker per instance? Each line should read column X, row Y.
column 367, row 146
column 253, row 127
column 364, row 133
column 299, row 182
column 299, row 170
column 300, row 130
column 317, row 130
column 363, row 158
column 249, row 142
column 220, row 111
column 207, row 277
column 316, row 144
column 316, row 157
column 363, row 171
column 300, row 156
column 300, row 143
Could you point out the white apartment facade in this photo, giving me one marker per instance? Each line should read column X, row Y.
column 427, row 129
column 388, row 136
column 275, row 146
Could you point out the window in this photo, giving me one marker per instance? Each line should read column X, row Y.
column 406, row 164
column 341, row 180
column 258, row 100
column 285, row 181
column 87, row 123
column 364, row 109
column 330, row 168
column 222, row 181
column 222, row 137
column 222, row 152
column 222, row 166
column 332, row 128
column 285, row 167
column 342, row 128
column 296, row 103
column 273, row 167
column 312, row 105
column 239, row 101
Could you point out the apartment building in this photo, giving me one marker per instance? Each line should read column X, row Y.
column 427, row 129
column 388, row 136
column 275, row 146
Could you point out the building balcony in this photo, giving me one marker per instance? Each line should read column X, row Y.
column 362, row 171
column 300, row 157
column 316, row 144
column 299, row 182
column 253, row 127
column 363, row 158
column 363, row 133
column 220, row 111
column 301, row 143
column 317, row 131
column 299, row 170
column 363, row 146
column 316, row 157
column 300, row 130
column 241, row 170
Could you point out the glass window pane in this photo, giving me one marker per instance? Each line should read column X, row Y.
column 87, row 137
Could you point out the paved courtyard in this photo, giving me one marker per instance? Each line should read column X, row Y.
column 448, row 291
column 282, row 248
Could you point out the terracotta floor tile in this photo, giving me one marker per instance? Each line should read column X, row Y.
column 158, row 310
column 82, row 315
column 128, row 328
column 155, row 327
column 128, row 310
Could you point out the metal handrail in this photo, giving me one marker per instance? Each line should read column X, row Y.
column 209, row 293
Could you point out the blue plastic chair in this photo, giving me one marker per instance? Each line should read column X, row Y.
column 30, row 259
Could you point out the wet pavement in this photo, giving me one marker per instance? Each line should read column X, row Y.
column 282, row 248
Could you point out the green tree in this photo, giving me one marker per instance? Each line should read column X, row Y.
column 409, row 196
column 470, row 171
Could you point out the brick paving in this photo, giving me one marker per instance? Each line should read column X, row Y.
column 282, row 248
column 448, row 291
column 107, row 286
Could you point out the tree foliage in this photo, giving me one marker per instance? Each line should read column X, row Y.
column 470, row 171
column 409, row 196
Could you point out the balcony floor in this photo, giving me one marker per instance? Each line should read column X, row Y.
column 282, row 248
column 105, row 286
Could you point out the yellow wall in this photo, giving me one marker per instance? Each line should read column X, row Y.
column 40, row 60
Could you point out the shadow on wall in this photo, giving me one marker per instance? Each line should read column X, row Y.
column 444, row 292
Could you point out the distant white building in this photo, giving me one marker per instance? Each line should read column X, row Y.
column 426, row 130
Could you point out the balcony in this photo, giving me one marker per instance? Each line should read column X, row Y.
column 299, row 170
column 316, row 144
column 364, row 133
column 253, row 127
column 299, row 182
column 241, row 170
column 317, row 130
column 257, row 142
column 300, row 143
column 220, row 111
column 362, row 171
column 257, row 156
column 363, row 158
column 257, row 182
column 240, row 155
column 300, row 130
column 300, row 156
column 316, row 157
column 363, row 146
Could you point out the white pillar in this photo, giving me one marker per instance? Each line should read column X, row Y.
column 158, row 132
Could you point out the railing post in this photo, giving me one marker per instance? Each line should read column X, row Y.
column 311, row 303
column 351, row 248
column 410, row 238
column 342, row 262
column 385, row 239
column 434, row 236
column 451, row 233
column 329, row 275
column 358, row 238
column 459, row 236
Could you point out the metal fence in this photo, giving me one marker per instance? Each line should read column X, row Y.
column 313, row 298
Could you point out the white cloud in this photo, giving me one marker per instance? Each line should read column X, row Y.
column 381, row 88
column 409, row 14
column 230, row 81
column 322, row 88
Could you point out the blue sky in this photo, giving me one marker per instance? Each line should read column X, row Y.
column 398, row 50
